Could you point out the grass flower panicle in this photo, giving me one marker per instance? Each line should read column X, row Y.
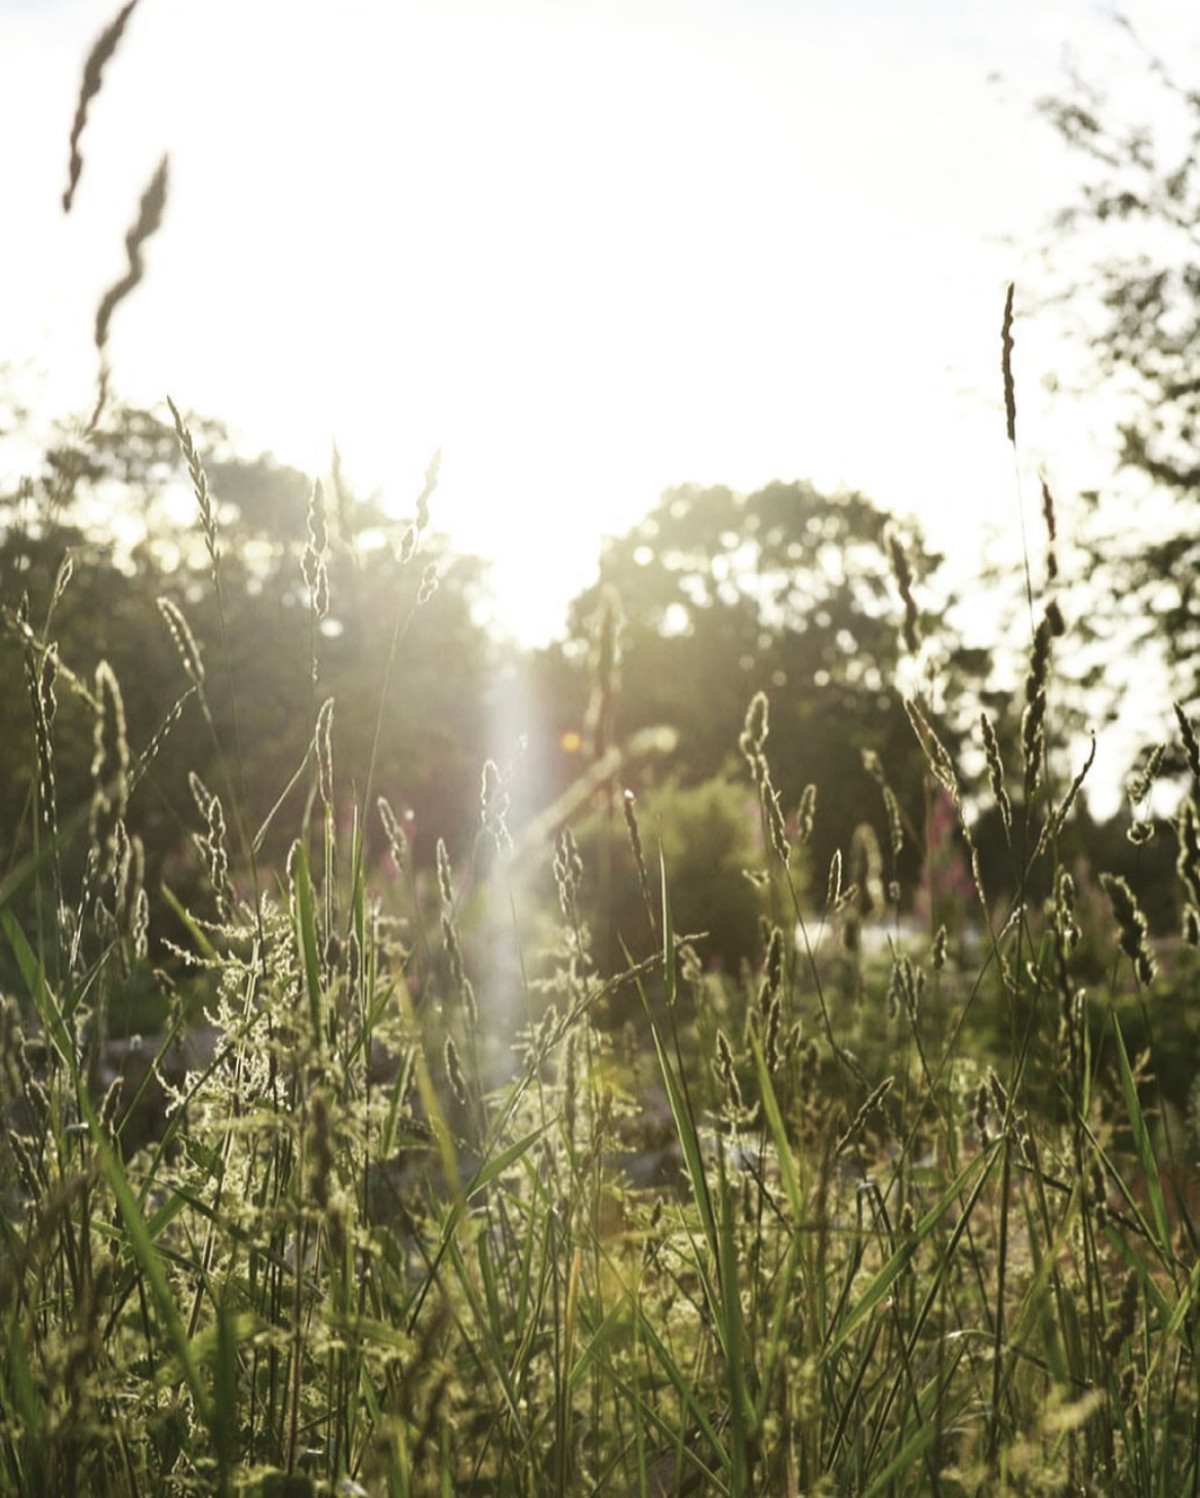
column 145, row 226
column 183, row 639
column 427, row 489
column 806, row 815
column 204, row 499
column 904, row 581
column 1006, row 370
column 1192, row 748
column 1132, row 925
column 212, row 843
column 316, row 551
column 568, row 875
column 1139, row 785
column 323, row 746
column 40, row 676
column 494, row 808
column 995, row 766
column 754, row 735
column 102, row 52
column 936, row 754
column 396, row 840
column 1033, row 720
column 1051, row 524
column 110, row 770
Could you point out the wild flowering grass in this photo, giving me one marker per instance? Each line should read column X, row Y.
column 884, row 1255
column 878, row 1259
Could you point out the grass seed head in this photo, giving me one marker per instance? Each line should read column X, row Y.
column 110, row 769
column 313, row 562
column 776, row 822
column 806, row 815
column 103, row 49
column 995, row 765
column 392, row 830
column 904, row 580
column 212, row 843
column 429, row 583
column 454, row 1071
column 1188, row 863
column 144, row 227
column 40, row 674
column 1051, row 531
column 204, row 499
column 568, row 873
column 936, row 754
column 753, row 737
column 629, row 805
column 323, row 744
column 725, row 1069
column 1139, row 785
column 445, row 877
column 772, row 1023
column 1006, row 348
column 774, row 962
column 185, row 642
column 1132, row 925
column 431, row 483
column 1065, row 915
column 1033, row 720
column 1190, row 744
column 833, row 889
column 872, row 1104
column 494, row 805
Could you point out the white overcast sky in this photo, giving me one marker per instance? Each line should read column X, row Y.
column 591, row 248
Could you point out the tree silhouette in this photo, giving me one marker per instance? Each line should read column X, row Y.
column 787, row 591
column 1136, row 219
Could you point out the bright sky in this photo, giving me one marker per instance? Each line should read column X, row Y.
column 591, row 248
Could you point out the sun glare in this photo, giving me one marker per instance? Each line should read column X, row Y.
column 587, row 251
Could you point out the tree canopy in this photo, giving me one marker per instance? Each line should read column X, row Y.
column 103, row 537
column 1135, row 220
column 786, row 591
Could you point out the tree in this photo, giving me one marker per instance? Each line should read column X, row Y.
column 1137, row 218
column 112, row 504
column 787, row 591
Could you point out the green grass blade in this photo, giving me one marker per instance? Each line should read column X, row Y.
column 150, row 1263
column 1142, row 1143
column 47, row 1005
column 882, row 1281
column 306, row 924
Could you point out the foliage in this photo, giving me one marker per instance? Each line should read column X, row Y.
column 919, row 1217
column 1134, row 224
column 786, row 591
column 708, row 836
column 107, row 604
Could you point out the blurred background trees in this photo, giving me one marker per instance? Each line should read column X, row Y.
column 793, row 593
column 118, row 510
column 1127, row 252
column 719, row 595
column 712, row 597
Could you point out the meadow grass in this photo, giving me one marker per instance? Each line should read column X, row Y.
column 365, row 1252
column 920, row 1222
